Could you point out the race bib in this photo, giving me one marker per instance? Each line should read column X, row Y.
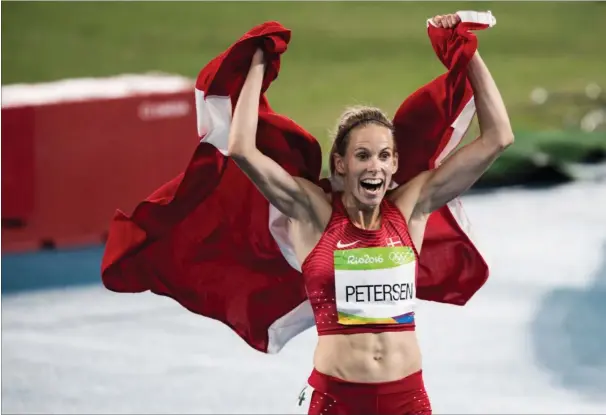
column 375, row 285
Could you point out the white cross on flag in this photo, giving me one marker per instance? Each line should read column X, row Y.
column 394, row 241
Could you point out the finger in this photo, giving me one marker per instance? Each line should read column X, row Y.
column 438, row 20
column 451, row 21
column 446, row 21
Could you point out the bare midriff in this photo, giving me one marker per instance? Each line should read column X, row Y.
column 368, row 357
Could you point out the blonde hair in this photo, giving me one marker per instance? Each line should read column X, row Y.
column 354, row 117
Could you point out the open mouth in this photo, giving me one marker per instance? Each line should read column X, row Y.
column 372, row 185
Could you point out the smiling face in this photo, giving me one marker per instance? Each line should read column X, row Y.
column 369, row 162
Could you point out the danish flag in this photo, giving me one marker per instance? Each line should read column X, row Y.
column 393, row 241
column 194, row 240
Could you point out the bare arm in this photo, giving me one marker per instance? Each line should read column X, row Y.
column 287, row 194
column 461, row 170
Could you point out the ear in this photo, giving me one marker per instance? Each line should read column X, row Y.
column 339, row 164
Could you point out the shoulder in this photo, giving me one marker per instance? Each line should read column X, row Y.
column 313, row 189
column 319, row 201
column 406, row 195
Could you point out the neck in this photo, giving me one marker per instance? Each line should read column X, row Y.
column 361, row 216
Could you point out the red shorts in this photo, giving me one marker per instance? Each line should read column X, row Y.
column 334, row 396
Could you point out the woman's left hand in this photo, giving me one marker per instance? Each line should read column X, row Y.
column 447, row 21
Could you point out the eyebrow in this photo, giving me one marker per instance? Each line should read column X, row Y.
column 366, row 149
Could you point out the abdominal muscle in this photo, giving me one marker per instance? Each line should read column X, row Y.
column 368, row 357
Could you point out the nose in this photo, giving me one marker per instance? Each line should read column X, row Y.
column 374, row 165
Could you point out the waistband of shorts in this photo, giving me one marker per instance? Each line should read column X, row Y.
column 333, row 385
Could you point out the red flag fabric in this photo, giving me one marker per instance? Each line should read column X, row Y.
column 209, row 239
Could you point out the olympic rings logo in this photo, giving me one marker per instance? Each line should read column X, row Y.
column 399, row 258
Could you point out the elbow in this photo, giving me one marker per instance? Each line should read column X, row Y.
column 237, row 148
column 234, row 151
column 506, row 139
column 501, row 140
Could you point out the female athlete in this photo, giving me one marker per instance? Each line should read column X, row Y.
column 359, row 247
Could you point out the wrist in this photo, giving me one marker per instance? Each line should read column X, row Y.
column 257, row 66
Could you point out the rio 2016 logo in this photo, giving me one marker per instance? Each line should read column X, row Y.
column 364, row 259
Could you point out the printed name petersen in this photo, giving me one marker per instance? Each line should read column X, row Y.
column 379, row 292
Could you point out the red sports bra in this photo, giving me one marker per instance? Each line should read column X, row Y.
column 362, row 281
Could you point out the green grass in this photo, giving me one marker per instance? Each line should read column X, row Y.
column 341, row 53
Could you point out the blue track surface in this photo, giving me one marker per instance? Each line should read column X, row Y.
column 51, row 269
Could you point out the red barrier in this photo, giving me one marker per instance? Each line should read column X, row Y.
column 17, row 164
column 86, row 159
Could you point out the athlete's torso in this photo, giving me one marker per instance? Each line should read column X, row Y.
column 361, row 281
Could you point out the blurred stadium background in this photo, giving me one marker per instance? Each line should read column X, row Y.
column 535, row 337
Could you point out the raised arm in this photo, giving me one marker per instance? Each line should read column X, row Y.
column 463, row 168
column 289, row 195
